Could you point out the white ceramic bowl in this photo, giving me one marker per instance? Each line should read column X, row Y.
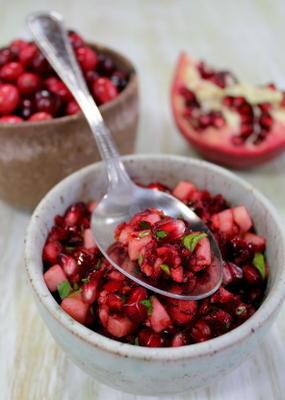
column 155, row 371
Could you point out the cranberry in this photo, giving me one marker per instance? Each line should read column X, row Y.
column 40, row 116
column 90, row 77
column 56, row 86
column 75, row 39
column 11, row 71
column 9, row 98
column 72, row 108
column 6, row 56
column 29, row 83
column 105, row 65
column 40, row 65
column 17, row 45
column 11, row 119
column 48, row 102
column 120, row 80
column 104, row 90
column 87, row 58
column 27, row 108
column 27, row 54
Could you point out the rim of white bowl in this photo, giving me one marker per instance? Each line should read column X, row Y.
column 270, row 305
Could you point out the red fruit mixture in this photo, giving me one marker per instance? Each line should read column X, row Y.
column 95, row 294
column 31, row 90
column 228, row 121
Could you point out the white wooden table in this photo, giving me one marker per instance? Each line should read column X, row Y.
column 247, row 36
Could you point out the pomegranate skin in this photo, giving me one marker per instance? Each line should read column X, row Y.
column 219, row 152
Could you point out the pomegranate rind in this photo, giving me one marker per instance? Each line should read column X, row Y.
column 217, row 150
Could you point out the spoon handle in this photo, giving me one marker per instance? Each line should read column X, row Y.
column 51, row 37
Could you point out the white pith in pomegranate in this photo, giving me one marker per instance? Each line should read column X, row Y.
column 227, row 121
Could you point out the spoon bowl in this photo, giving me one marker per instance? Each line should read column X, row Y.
column 123, row 198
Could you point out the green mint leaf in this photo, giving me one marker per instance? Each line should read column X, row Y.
column 69, row 248
column 64, row 288
column 160, row 234
column 99, row 263
column 190, row 241
column 124, row 298
column 92, row 312
column 148, row 304
column 74, row 293
column 143, row 234
column 140, row 259
column 85, row 280
column 259, row 263
column 144, row 225
column 241, row 310
column 75, row 286
column 165, row 268
column 136, row 342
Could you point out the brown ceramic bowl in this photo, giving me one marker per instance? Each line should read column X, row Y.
column 35, row 156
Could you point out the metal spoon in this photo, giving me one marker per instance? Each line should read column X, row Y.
column 123, row 198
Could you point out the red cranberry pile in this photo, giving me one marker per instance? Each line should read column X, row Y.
column 95, row 294
column 226, row 120
column 31, row 90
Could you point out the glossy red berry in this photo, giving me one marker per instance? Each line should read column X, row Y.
column 40, row 116
column 27, row 53
column 17, row 45
column 72, row 108
column 9, row 98
column 29, row 83
column 87, row 58
column 56, row 86
column 10, row 72
column 48, row 102
column 11, row 119
column 75, row 39
column 104, row 90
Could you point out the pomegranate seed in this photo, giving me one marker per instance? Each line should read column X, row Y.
column 228, row 101
column 271, row 86
column 238, row 102
column 158, row 186
column 266, row 121
column 172, row 229
column 251, row 275
column 72, row 108
column 40, row 116
column 204, row 121
column 181, row 311
column 90, row 289
column 87, row 58
column 245, row 109
column 246, row 130
column 205, row 71
column 11, row 71
column 9, row 98
column 133, row 306
column 74, row 214
column 201, row 331
column 265, row 107
column 104, row 90
column 11, row 119
column 114, row 302
column 29, row 83
column 51, row 252
column 149, row 338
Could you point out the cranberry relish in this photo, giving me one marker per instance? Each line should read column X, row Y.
column 31, row 90
column 90, row 290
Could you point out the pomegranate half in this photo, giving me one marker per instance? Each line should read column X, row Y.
column 227, row 121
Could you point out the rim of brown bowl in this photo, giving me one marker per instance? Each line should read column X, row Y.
column 120, row 60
